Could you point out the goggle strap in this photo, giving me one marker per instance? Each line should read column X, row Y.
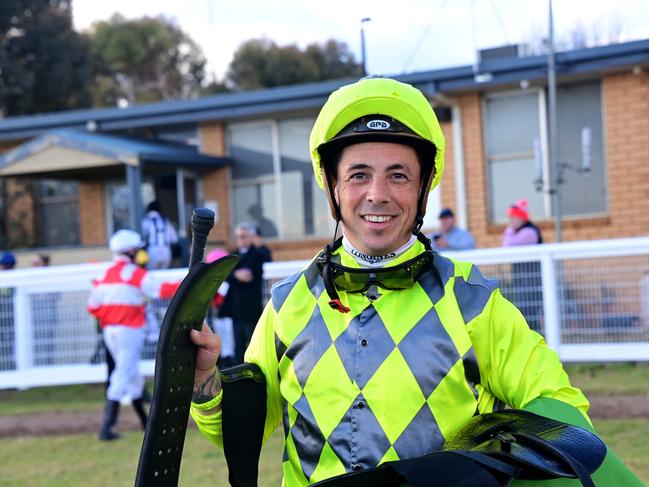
column 338, row 306
column 330, row 287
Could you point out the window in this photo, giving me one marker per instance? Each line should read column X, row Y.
column 511, row 129
column 516, row 150
column 273, row 182
column 309, row 210
column 580, row 106
column 57, row 212
column 119, row 204
column 253, row 176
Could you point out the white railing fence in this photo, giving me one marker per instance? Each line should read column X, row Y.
column 589, row 299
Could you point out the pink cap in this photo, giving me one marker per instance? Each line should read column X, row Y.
column 216, row 254
column 519, row 210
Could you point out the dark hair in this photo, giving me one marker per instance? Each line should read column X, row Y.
column 154, row 206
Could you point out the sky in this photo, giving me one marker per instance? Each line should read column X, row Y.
column 402, row 36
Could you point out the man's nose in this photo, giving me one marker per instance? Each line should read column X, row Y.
column 378, row 191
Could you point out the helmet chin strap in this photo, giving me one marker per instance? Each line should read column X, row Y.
column 421, row 206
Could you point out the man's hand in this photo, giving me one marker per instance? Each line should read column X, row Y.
column 207, row 381
column 441, row 242
column 244, row 275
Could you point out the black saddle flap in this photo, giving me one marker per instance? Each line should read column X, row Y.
column 244, row 414
column 541, row 447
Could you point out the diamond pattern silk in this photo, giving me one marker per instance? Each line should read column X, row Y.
column 388, row 380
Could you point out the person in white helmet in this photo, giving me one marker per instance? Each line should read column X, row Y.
column 118, row 301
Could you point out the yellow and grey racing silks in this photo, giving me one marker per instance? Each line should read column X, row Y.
column 395, row 376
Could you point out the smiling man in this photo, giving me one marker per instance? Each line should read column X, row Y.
column 381, row 348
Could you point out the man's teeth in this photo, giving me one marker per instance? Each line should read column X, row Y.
column 377, row 219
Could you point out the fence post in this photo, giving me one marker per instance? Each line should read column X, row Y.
column 552, row 316
column 23, row 329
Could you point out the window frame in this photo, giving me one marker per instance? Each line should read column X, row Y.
column 541, row 95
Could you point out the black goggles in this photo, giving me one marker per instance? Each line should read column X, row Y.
column 402, row 276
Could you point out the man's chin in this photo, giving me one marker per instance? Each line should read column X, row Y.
column 381, row 247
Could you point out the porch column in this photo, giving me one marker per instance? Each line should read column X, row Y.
column 134, row 182
column 183, row 238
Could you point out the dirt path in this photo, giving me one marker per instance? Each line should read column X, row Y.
column 71, row 422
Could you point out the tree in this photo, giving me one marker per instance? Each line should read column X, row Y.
column 44, row 64
column 261, row 63
column 144, row 60
column 334, row 60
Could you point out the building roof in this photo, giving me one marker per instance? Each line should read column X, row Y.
column 231, row 106
column 97, row 150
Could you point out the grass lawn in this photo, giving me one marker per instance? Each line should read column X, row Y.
column 610, row 379
column 81, row 460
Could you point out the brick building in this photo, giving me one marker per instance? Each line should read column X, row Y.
column 69, row 179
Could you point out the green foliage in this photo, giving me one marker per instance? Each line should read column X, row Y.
column 44, row 64
column 260, row 63
column 144, row 60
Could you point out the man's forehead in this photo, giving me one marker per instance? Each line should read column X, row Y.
column 379, row 154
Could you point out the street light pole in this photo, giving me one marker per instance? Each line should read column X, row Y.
column 364, row 66
column 553, row 155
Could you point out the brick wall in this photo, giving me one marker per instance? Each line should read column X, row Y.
column 447, row 184
column 216, row 183
column 20, row 219
column 626, row 124
column 92, row 213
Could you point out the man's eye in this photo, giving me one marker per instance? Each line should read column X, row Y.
column 399, row 175
column 358, row 175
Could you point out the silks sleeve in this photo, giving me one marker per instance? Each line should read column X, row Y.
column 261, row 352
column 515, row 363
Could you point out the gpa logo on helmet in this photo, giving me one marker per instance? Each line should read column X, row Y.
column 378, row 125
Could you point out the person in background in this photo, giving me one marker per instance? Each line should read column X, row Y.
column 152, row 325
column 266, row 225
column 520, row 230
column 41, row 260
column 526, row 276
column 221, row 326
column 7, row 261
column 450, row 236
column 258, row 241
column 243, row 302
column 7, row 354
column 44, row 318
column 160, row 236
column 118, row 301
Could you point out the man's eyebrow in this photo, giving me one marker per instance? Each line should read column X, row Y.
column 397, row 166
column 357, row 166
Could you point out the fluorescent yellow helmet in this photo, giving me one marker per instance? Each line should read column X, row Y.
column 378, row 109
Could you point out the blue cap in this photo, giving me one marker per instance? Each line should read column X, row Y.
column 446, row 213
column 8, row 259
